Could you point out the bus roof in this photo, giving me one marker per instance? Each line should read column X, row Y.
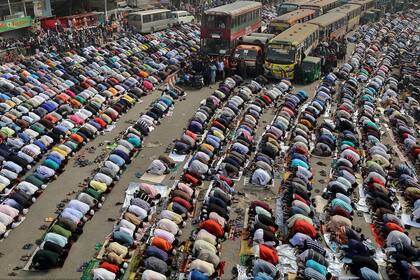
column 295, row 34
column 319, row 3
column 179, row 12
column 296, row 14
column 148, row 12
column 346, row 8
column 327, row 19
column 312, row 59
column 235, row 8
column 295, row 2
column 360, row 2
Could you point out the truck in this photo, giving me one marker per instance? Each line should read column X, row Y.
column 250, row 51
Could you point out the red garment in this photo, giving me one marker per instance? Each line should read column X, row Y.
column 191, row 179
column 191, row 134
column 213, row 227
column 161, row 243
column 261, row 204
column 413, row 271
column 300, row 150
column 218, row 125
column 376, row 180
column 183, row 202
column 341, row 211
column 298, row 197
column 342, row 107
column 392, row 226
column 269, row 254
column 351, row 158
column 303, row 226
column 353, row 149
column 226, row 179
column 267, row 98
column 110, row 267
column 101, row 122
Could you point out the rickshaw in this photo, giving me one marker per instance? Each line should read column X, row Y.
column 309, row 70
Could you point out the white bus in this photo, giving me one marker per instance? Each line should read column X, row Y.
column 181, row 17
column 151, row 20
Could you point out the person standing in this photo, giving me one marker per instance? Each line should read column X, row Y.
column 242, row 68
column 226, row 67
column 207, row 74
column 220, row 69
column 213, row 70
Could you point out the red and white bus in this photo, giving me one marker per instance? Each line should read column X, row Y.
column 221, row 27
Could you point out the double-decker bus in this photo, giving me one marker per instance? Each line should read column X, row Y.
column 321, row 6
column 353, row 14
column 283, row 22
column 221, row 27
column 287, row 50
column 331, row 25
column 289, row 6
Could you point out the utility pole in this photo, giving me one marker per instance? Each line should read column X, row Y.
column 10, row 7
column 106, row 10
column 24, row 6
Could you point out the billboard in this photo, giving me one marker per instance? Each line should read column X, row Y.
column 16, row 23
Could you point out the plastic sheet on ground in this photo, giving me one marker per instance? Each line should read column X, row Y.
column 242, row 272
column 406, row 220
column 335, row 265
column 176, row 157
column 287, row 259
column 133, row 187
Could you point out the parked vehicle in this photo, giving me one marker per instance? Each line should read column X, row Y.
column 287, row 50
column 251, row 49
column 151, row 20
column 222, row 27
column 289, row 6
column 322, row 6
column 283, row 22
column 180, row 17
column 309, row 70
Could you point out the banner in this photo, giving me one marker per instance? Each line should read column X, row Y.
column 42, row 8
column 16, row 23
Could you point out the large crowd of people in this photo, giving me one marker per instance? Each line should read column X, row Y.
column 53, row 103
column 57, row 40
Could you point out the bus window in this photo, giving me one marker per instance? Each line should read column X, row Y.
column 215, row 21
column 281, row 54
column 157, row 16
column 244, row 54
column 216, row 45
column 147, row 18
column 285, row 8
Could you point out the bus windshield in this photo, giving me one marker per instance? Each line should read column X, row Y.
column 280, row 54
column 277, row 27
column 213, row 21
column 216, row 46
column 245, row 54
column 285, row 8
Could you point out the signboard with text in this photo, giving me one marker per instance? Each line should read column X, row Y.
column 16, row 23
